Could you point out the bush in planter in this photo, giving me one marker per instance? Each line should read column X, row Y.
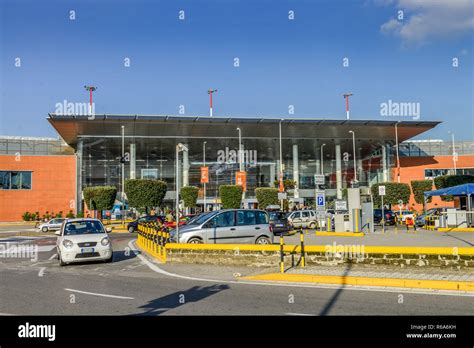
column 231, row 196
column 287, row 183
column 451, row 180
column 70, row 215
column 189, row 195
column 266, row 196
column 419, row 187
column 394, row 192
column 26, row 216
column 144, row 193
column 100, row 197
column 59, row 215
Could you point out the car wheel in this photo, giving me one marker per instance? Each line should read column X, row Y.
column 312, row 225
column 131, row 229
column 44, row 229
column 61, row 263
column 263, row 241
column 195, row 241
column 110, row 259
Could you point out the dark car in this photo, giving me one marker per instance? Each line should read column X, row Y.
column 389, row 217
column 279, row 223
column 133, row 226
column 420, row 219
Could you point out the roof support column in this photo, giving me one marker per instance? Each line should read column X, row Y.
column 296, row 171
column 79, row 155
column 185, row 167
column 338, row 172
column 272, row 175
column 384, row 164
column 133, row 163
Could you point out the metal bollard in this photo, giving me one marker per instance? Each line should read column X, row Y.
column 302, row 249
column 282, row 257
column 328, row 225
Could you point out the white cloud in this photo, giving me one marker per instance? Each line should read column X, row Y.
column 431, row 19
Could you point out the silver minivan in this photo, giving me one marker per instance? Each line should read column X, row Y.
column 303, row 219
column 229, row 226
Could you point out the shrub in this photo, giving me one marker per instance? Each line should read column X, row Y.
column 100, row 197
column 287, row 183
column 80, row 215
column 266, row 196
column 451, row 180
column 70, row 215
column 418, row 188
column 32, row 217
column 189, row 195
column 144, row 193
column 60, row 214
column 394, row 192
column 231, row 196
column 26, row 216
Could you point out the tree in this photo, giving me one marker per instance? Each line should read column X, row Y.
column 394, row 192
column 231, row 196
column 100, row 197
column 189, row 195
column 445, row 181
column 419, row 187
column 145, row 193
column 266, row 196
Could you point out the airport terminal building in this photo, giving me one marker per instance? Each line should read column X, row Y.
column 90, row 150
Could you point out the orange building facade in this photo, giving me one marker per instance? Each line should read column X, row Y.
column 421, row 168
column 49, row 185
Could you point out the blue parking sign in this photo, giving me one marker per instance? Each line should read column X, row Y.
column 320, row 200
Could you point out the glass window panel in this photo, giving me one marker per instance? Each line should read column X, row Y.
column 4, row 180
column 26, row 180
column 246, row 217
column 226, row 219
column 15, row 180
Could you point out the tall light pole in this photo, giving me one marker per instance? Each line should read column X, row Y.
column 179, row 147
column 210, row 92
column 346, row 96
column 90, row 89
column 454, row 153
column 322, row 159
column 241, row 164
column 204, row 164
column 354, row 147
column 123, row 167
column 281, row 163
column 396, row 148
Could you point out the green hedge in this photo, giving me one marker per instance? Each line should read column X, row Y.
column 231, row 196
column 100, row 197
column 451, row 180
column 189, row 195
column 418, row 187
column 394, row 191
column 266, row 196
column 144, row 193
column 288, row 183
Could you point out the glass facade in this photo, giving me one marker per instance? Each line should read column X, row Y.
column 31, row 146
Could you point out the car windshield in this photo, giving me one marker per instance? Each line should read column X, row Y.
column 83, row 227
column 277, row 216
column 201, row 218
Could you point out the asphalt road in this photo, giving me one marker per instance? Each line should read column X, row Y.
column 129, row 286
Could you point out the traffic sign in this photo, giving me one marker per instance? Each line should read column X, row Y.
column 382, row 190
column 319, row 179
column 320, row 199
column 281, row 195
column 340, row 205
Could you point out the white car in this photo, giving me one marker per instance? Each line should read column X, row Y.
column 405, row 214
column 52, row 225
column 82, row 240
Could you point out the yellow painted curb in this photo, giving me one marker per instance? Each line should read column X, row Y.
column 326, row 248
column 366, row 281
column 455, row 229
column 341, row 234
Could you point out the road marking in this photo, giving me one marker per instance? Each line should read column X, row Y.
column 155, row 268
column 301, row 314
column 53, row 256
column 101, row 295
column 41, row 272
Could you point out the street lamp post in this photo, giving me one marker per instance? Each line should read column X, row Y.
column 210, row 92
column 90, row 89
column 354, row 149
column 204, row 164
column 454, row 152
column 179, row 147
column 281, row 162
column 322, row 159
column 346, row 96
column 123, row 171
column 396, row 148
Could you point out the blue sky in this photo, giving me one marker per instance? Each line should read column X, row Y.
column 282, row 62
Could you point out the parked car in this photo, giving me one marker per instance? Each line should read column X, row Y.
column 420, row 219
column 404, row 215
column 228, row 226
column 133, row 225
column 51, row 225
column 279, row 222
column 83, row 240
column 389, row 217
column 303, row 219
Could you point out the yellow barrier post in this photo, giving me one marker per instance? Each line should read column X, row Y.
column 282, row 260
column 302, row 248
column 328, row 225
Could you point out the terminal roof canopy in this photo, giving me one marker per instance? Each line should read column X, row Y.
column 370, row 134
